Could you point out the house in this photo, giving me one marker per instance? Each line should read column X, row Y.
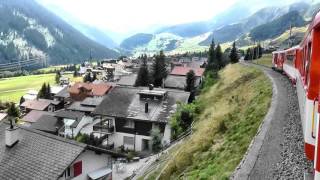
column 30, row 95
column 56, row 89
column 63, row 96
column 177, row 78
column 33, row 116
column 41, row 105
column 30, row 154
column 87, row 106
column 64, row 81
column 127, row 80
column 128, row 115
column 79, row 91
column 48, row 123
column 73, row 122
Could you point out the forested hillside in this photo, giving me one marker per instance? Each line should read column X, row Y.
column 28, row 30
column 278, row 26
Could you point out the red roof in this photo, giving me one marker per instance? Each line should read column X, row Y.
column 182, row 71
column 94, row 89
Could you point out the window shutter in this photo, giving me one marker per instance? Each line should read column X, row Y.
column 77, row 168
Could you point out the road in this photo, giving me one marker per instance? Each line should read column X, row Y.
column 277, row 151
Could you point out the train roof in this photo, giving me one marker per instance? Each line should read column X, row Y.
column 315, row 23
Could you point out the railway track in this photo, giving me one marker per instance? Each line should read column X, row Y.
column 277, row 151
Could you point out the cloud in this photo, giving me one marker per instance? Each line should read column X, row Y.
column 134, row 15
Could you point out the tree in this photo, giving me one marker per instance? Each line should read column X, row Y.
column 58, row 76
column 159, row 69
column 48, row 92
column 87, row 77
column 248, row 55
column 75, row 73
column 143, row 74
column 22, row 100
column 42, row 91
column 190, row 81
column 234, row 58
column 211, row 57
column 13, row 113
column 260, row 50
column 219, row 57
column 156, row 140
column 94, row 77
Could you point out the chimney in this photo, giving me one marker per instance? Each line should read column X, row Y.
column 12, row 135
column 146, row 107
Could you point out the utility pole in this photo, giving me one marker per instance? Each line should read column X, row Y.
column 290, row 36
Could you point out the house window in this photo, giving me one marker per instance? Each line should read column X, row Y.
column 129, row 124
column 128, row 140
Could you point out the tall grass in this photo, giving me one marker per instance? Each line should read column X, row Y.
column 232, row 111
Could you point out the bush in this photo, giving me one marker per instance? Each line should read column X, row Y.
column 183, row 118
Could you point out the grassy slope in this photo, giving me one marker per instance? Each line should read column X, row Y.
column 265, row 60
column 232, row 112
column 18, row 86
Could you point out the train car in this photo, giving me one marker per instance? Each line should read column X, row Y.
column 289, row 63
column 278, row 60
column 302, row 65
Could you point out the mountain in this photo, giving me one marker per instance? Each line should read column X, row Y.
column 136, row 41
column 97, row 35
column 28, row 30
column 233, row 14
column 278, row 26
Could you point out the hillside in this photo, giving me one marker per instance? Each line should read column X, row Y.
column 136, row 41
column 278, row 26
column 28, row 30
column 244, row 28
column 224, row 128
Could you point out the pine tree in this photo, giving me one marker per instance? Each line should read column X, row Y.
column 190, row 81
column 159, row 69
column 42, row 91
column 219, row 57
column 22, row 100
column 143, row 74
column 48, row 92
column 260, row 50
column 87, row 78
column 211, row 57
column 234, row 58
column 58, row 76
column 75, row 73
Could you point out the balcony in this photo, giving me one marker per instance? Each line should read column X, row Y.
column 103, row 129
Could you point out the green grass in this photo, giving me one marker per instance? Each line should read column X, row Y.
column 265, row 60
column 233, row 109
column 11, row 89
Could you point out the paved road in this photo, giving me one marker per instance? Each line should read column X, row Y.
column 277, row 152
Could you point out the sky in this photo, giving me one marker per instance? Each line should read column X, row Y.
column 124, row 16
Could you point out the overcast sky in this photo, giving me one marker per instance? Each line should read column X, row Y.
column 131, row 15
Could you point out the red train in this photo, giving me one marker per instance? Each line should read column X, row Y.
column 302, row 65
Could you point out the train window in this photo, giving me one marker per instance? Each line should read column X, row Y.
column 308, row 62
column 289, row 59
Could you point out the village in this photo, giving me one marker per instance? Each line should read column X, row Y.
column 107, row 126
